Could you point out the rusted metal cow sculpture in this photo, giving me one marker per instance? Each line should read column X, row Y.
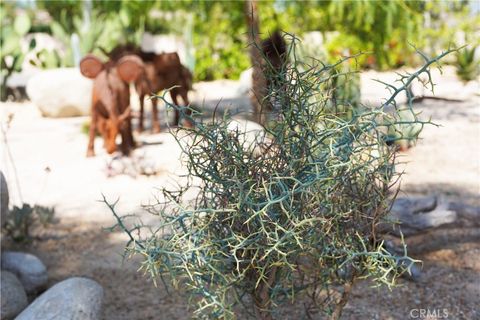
column 161, row 71
column 111, row 113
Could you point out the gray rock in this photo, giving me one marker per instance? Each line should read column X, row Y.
column 20, row 79
column 31, row 272
column 219, row 96
column 14, row 298
column 4, row 198
column 61, row 92
column 469, row 214
column 414, row 205
column 245, row 82
column 71, row 299
column 416, row 214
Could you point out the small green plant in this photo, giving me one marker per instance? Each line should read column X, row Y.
column 85, row 128
column 20, row 220
column 468, row 67
column 288, row 216
column 11, row 54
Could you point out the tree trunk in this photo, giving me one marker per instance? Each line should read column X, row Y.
column 261, row 296
column 337, row 312
column 259, row 82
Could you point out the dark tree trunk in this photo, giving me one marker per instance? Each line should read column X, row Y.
column 259, row 82
column 261, row 296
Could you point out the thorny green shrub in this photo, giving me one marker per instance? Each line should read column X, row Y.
column 290, row 215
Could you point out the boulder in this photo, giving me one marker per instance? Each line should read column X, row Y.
column 417, row 214
column 4, row 198
column 14, row 298
column 31, row 272
column 469, row 215
column 17, row 83
column 20, row 79
column 219, row 96
column 245, row 82
column 71, row 299
column 61, row 92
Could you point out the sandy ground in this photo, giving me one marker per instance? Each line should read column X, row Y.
column 446, row 161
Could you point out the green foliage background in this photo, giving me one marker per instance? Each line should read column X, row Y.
column 383, row 28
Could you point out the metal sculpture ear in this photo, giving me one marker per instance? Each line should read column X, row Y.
column 130, row 68
column 91, row 66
